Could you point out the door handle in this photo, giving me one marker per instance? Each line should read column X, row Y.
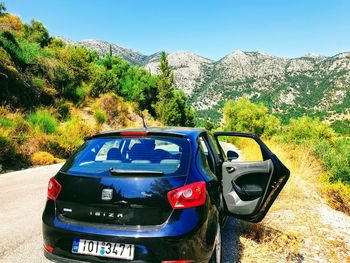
column 230, row 169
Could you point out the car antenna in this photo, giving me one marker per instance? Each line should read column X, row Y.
column 143, row 120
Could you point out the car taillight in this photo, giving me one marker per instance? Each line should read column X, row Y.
column 190, row 195
column 48, row 248
column 53, row 189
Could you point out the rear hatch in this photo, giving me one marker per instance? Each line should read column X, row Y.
column 123, row 180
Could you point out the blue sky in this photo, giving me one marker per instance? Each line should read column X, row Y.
column 211, row 28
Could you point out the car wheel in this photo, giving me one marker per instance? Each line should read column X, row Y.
column 216, row 257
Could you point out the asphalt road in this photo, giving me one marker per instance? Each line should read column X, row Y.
column 22, row 199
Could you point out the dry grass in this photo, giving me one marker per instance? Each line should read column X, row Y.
column 44, row 158
column 293, row 230
column 337, row 195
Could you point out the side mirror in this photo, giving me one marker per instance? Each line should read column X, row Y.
column 232, row 155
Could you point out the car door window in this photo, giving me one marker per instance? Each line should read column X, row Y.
column 203, row 159
column 216, row 146
column 247, row 149
column 205, row 148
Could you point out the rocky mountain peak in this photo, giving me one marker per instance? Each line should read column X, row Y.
column 311, row 83
column 103, row 48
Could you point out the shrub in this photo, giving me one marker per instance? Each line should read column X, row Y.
column 38, row 82
column 42, row 158
column 37, row 32
column 10, row 156
column 74, row 93
column 5, row 122
column 335, row 158
column 12, row 23
column 72, row 135
column 115, row 108
column 21, row 126
column 244, row 116
column 306, row 129
column 338, row 196
column 53, row 146
column 7, row 149
column 341, row 126
column 44, row 120
column 104, row 81
column 20, row 129
column 100, row 116
column 63, row 110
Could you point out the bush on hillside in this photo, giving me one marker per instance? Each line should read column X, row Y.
column 10, row 154
column 63, row 110
column 104, row 81
column 21, row 129
column 42, row 158
column 244, row 116
column 11, row 23
column 335, row 158
column 338, row 196
column 115, row 107
column 76, row 94
column 5, row 122
column 306, row 129
column 71, row 136
column 37, row 32
column 44, row 121
column 100, row 117
column 341, row 126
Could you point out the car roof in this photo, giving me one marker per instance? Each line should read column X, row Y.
column 164, row 130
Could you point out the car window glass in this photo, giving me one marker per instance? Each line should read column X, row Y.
column 246, row 149
column 214, row 143
column 204, row 160
column 205, row 148
column 203, row 145
column 168, row 155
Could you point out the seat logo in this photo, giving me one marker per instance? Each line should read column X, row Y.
column 107, row 194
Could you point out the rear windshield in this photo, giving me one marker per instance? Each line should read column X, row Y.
column 162, row 155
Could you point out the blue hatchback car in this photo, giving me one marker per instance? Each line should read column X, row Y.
column 155, row 195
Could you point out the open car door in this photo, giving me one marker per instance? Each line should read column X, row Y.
column 250, row 183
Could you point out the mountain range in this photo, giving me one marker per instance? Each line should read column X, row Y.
column 311, row 84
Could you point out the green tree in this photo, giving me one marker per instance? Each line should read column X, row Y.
column 177, row 112
column 104, row 81
column 2, row 8
column 244, row 116
column 140, row 85
column 165, row 86
column 172, row 106
column 37, row 32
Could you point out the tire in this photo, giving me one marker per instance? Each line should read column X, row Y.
column 217, row 253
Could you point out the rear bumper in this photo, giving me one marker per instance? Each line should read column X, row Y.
column 185, row 236
column 55, row 258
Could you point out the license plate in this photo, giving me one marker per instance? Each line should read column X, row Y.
column 103, row 249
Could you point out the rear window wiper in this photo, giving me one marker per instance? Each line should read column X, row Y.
column 135, row 172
